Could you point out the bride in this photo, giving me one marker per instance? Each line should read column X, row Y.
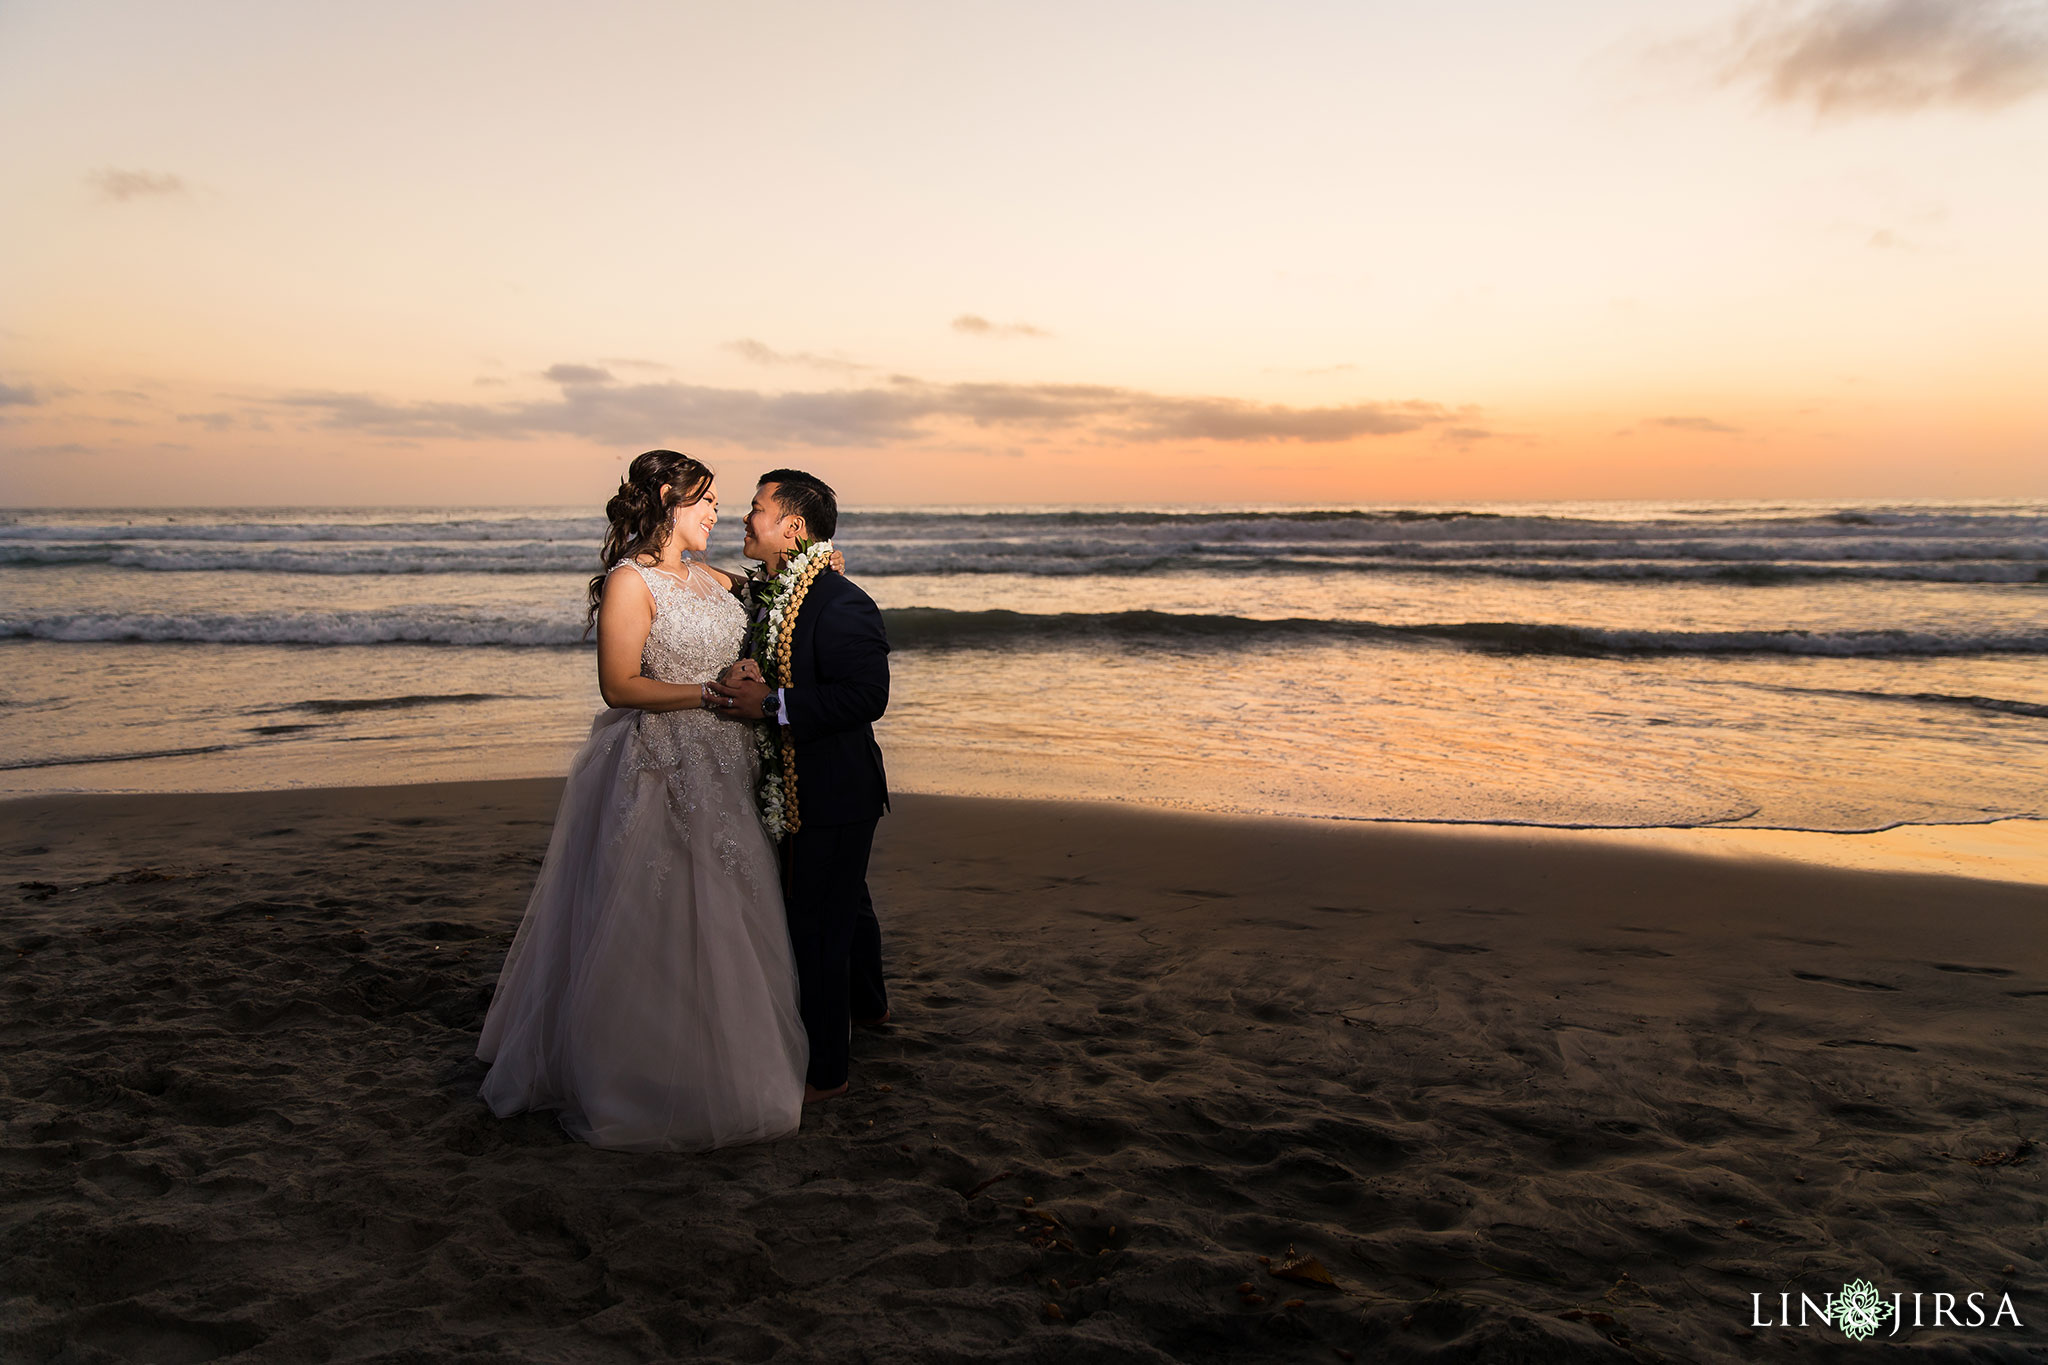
column 650, row 994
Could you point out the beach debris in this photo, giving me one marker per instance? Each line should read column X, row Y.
column 1744, row 1223
column 2015, row 1157
column 1052, row 1312
column 1295, row 1303
column 1049, row 1232
column 885, row 1089
column 1247, row 1288
column 1252, row 1300
column 1629, row 1292
column 1303, row 1270
column 995, row 1179
column 1597, row 1319
column 1029, row 1201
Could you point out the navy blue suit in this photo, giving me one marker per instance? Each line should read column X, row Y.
column 838, row 687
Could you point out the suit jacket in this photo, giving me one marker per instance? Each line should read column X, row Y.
column 838, row 688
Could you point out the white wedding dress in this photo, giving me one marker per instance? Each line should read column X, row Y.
column 650, row 994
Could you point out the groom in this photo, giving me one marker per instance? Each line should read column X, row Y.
column 838, row 686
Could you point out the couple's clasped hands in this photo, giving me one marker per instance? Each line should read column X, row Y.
column 740, row 692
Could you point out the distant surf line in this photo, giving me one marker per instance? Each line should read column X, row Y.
column 937, row 627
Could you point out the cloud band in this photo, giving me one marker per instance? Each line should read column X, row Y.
column 903, row 410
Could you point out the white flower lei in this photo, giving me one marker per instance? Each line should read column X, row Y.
column 767, row 743
column 779, row 586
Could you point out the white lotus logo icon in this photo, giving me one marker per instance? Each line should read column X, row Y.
column 1859, row 1311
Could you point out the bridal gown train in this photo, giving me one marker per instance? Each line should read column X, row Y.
column 650, row 993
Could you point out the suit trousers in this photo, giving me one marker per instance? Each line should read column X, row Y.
column 836, row 938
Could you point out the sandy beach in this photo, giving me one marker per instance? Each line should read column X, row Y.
column 1525, row 1097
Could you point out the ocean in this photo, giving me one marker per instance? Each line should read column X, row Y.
column 1823, row 666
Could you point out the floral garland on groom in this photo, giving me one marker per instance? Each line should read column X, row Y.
column 777, row 599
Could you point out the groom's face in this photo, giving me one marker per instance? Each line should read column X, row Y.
column 770, row 534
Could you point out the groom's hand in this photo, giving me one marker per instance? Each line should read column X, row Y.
column 741, row 699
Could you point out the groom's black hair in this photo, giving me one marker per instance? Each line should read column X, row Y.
column 805, row 495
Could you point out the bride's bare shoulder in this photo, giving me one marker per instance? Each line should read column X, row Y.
column 632, row 584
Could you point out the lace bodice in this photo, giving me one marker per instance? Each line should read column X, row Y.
column 698, row 626
column 707, row 761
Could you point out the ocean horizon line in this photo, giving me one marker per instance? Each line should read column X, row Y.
column 1110, row 506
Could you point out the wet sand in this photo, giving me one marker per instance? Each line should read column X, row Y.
column 1526, row 1096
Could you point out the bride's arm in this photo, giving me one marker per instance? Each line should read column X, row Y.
column 624, row 616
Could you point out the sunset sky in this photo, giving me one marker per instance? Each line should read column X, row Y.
column 953, row 252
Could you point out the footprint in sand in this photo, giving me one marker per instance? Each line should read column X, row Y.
column 133, row 1331
column 1846, row 983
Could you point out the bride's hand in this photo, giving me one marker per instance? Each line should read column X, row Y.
column 837, row 559
column 743, row 670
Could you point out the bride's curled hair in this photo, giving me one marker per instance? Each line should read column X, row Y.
column 655, row 485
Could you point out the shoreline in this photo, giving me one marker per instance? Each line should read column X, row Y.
column 1524, row 1095
column 2012, row 849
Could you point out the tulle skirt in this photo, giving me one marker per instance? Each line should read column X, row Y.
column 650, row 994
